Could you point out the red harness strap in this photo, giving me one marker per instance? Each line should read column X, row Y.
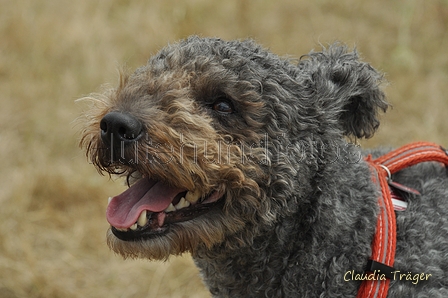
column 384, row 242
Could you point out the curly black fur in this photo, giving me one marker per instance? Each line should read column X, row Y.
column 303, row 213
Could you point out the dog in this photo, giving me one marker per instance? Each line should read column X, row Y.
column 246, row 160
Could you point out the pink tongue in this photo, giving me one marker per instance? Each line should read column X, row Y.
column 146, row 194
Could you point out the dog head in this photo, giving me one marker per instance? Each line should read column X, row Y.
column 211, row 135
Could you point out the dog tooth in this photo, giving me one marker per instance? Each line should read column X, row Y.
column 193, row 196
column 133, row 227
column 182, row 204
column 161, row 218
column 108, row 200
column 170, row 208
column 142, row 220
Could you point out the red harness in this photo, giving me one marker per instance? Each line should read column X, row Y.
column 384, row 242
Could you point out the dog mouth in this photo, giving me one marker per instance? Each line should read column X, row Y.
column 149, row 208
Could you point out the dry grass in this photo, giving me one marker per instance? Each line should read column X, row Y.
column 52, row 231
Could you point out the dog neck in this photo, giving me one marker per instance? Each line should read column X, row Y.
column 333, row 225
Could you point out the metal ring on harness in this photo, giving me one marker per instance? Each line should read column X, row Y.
column 389, row 175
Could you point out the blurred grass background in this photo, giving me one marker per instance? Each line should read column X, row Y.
column 52, row 202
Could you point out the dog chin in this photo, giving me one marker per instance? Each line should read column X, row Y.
column 174, row 239
column 157, row 248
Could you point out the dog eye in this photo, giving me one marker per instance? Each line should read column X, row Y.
column 223, row 107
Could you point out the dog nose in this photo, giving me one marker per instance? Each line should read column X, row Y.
column 121, row 127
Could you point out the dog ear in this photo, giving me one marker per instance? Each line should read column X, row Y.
column 346, row 90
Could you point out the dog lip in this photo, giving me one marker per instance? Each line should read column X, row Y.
column 153, row 228
column 139, row 235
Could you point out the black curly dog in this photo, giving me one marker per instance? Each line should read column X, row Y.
column 243, row 159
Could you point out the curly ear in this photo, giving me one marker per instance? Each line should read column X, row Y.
column 347, row 89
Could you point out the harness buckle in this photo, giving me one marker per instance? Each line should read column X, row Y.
column 380, row 268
